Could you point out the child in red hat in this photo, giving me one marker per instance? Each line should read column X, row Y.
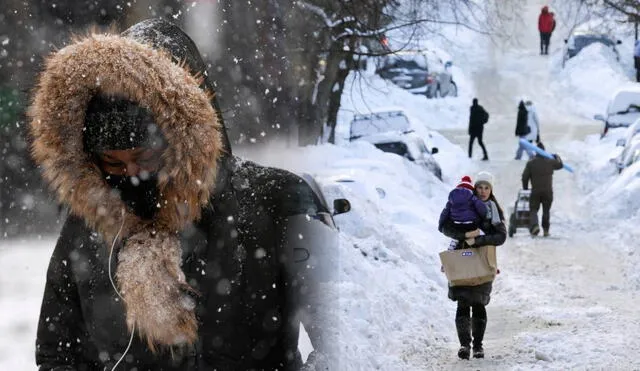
column 463, row 208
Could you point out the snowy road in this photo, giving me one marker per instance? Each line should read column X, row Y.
column 562, row 302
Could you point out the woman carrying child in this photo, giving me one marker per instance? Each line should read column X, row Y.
column 492, row 231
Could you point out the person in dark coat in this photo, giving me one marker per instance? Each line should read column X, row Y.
column 174, row 255
column 474, row 299
column 539, row 171
column 477, row 118
column 522, row 129
column 636, row 59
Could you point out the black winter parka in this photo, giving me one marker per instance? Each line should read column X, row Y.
column 249, row 288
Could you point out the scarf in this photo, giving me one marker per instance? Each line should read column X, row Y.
column 492, row 212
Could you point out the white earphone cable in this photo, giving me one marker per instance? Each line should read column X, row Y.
column 117, row 292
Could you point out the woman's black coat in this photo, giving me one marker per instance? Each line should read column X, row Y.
column 251, row 287
column 522, row 126
column 495, row 235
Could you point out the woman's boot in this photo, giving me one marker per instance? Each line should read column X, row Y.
column 478, row 326
column 463, row 327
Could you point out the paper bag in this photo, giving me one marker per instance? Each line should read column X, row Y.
column 469, row 267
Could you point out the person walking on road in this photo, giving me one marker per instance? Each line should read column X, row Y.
column 477, row 119
column 533, row 122
column 539, row 171
column 636, row 59
column 474, row 299
column 522, row 130
column 546, row 25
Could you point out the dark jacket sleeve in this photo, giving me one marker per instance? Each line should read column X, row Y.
column 526, row 176
column 60, row 327
column 557, row 162
column 496, row 238
column 444, row 215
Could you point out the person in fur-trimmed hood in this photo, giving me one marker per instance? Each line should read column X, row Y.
column 174, row 254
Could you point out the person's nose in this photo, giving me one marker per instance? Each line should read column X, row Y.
column 132, row 168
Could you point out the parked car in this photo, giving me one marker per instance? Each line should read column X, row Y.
column 629, row 155
column 392, row 131
column 420, row 72
column 580, row 39
column 631, row 132
column 377, row 122
column 623, row 109
column 408, row 145
column 324, row 213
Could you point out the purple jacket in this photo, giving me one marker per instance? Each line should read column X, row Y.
column 463, row 206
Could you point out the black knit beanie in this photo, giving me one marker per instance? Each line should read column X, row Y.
column 115, row 123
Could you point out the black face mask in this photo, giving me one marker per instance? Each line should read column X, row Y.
column 141, row 196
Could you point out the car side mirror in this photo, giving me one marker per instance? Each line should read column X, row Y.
column 620, row 143
column 434, row 150
column 341, row 206
column 566, row 41
column 599, row 117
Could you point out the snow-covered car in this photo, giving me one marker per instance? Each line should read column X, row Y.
column 392, row 131
column 632, row 131
column 623, row 109
column 408, row 145
column 629, row 155
column 418, row 71
column 324, row 213
column 580, row 39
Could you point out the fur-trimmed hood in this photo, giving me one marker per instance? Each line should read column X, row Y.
column 148, row 274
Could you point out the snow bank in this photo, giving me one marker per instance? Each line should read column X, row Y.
column 390, row 294
column 365, row 93
column 612, row 198
column 588, row 80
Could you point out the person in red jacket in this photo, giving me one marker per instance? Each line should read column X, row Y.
column 546, row 25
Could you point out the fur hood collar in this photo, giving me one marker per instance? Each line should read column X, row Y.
column 149, row 275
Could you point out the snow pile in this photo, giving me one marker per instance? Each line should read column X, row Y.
column 608, row 194
column 611, row 198
column 366, row 92
column 589, row 79
column 389, row 296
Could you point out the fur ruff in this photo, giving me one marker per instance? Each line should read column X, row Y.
column 149, row 270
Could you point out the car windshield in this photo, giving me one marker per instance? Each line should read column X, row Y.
column 410, row 61
column 583, row 41
column 377, row 123
column 398, row 148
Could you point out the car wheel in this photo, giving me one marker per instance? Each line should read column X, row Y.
column 512, row 225
column 438, row 93
column 453, row 90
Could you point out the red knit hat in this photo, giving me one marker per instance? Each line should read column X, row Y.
column 465, row 182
